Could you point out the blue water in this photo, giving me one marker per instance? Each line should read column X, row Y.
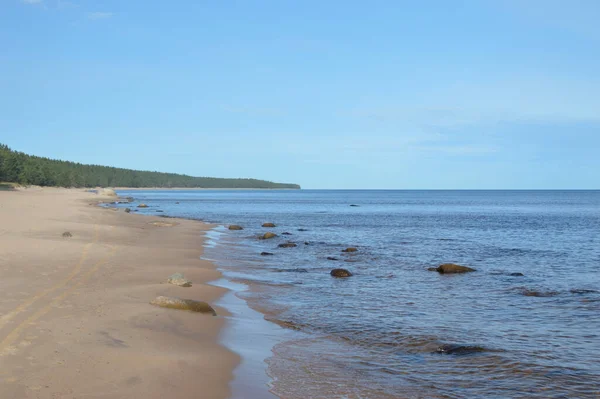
column 378, row 333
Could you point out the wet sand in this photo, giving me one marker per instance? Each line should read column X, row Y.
column 75, row 318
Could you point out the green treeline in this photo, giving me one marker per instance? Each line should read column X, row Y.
column 17, row 167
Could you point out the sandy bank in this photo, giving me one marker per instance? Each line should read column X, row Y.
column 75, row 318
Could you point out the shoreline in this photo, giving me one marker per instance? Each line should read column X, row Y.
column 75, row 319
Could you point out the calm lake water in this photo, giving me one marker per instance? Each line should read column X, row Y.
column 379, row 333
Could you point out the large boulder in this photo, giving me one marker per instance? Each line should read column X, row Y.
column 449, row 268
column 350, row 249
column 179, row 279
column 268, row 235
column 235, row 227
column 170, row 302
column 340, row 273
column 288, row 245
column 268, row 224
column 107, row 192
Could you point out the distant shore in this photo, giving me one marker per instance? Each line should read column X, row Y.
column 75, row 318
column 199, row 188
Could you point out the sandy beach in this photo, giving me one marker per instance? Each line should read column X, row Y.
column 75, row 318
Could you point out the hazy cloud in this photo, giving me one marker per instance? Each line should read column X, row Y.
column 99, row 15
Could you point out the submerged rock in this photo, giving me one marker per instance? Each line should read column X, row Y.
column 350, row 249
column 266, row 253
column 340, row 273
column 235, row 227
column 332, row 258
column 288, row 245
column 285, row 233
column 582, row 291
column 354, row 205
column 536, row 293
column 268, row 235
column 268, row 224
column 183, row 304
column 296, row 270
column 448, row 268
column 302, row 229
column 516, row 274
column 459, row 349
column 179, row 279
column 142, row 206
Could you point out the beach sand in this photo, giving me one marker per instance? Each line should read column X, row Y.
column 75, row 318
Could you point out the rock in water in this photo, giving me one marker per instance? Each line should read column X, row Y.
column 350, row 249
column 268, row 235
column 183, row 304
column 332, row 258
column 340, row 273
column 235, row 227
column 302, row 229
column 448, row 268
column 285, row 233
column 266, row 253
column 288, row 245
column 459, row 349
column 268, row 224
column 142, row 206
column 516, row 274
column 179, row 279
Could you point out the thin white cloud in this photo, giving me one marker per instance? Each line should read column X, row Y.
column 99, row 15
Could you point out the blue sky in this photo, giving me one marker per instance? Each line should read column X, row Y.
column 327, row 94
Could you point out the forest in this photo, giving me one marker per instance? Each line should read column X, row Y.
column 21, row 168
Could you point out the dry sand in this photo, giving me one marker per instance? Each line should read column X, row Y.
column 75, row 318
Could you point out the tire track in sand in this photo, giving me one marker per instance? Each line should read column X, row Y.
column 4, row 319
column 15, row 333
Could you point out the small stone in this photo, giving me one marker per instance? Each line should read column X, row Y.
column 332, row 258
column 285, row 233
column 67, row 234
column 266, row 254
column 350, row 249
column 127, row 210
column 235, row 227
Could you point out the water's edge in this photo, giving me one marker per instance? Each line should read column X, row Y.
column 246, row 332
